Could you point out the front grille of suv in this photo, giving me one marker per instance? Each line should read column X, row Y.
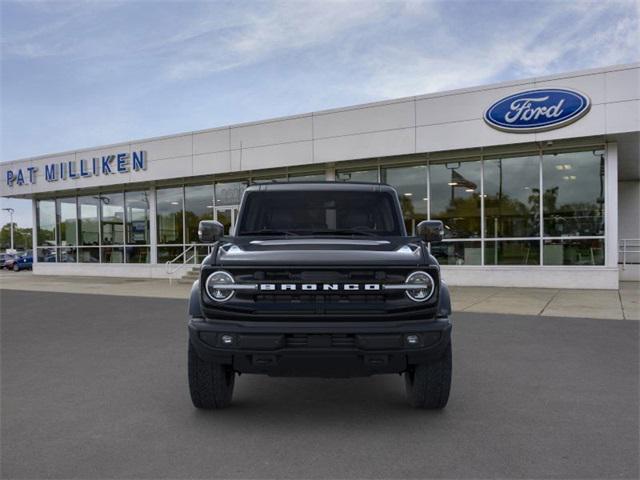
column 314, row 303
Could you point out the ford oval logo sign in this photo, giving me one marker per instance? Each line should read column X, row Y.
column 537, row 110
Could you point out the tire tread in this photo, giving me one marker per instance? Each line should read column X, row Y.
column 210, row 384
column 428, row 384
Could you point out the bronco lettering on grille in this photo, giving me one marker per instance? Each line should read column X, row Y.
column 319, row 286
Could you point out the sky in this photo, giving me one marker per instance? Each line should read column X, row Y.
column 87, row 73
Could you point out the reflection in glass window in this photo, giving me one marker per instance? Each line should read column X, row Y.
column 88, row 220
column 137, row 218
column 112, row 218
column 573, row 199
column 457, row 253
column 67, row 255
column 455, row 198
column 308, row 177
column 47, row 254
column 166, row 254
column 89, row 255
column 229, row 193
column 512, row 252
column 46, row 217
column 358, row 176
column 512, row 197
column 411, row 184
column 67, row 213
column 226, row 216
column 137, row 254
column 277, row 179
column 573, row 252
column 198, row 205
column 169, row 206
column 112, row 255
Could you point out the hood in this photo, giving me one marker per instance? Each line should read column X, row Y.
column 396, row 251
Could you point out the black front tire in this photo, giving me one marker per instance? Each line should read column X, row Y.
column 210, row 384
column 428, row 384
column 16, row 268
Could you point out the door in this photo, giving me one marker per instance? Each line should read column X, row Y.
column 227, row 217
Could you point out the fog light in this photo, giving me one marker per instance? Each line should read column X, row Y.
column 226, row 339
column 413, row 339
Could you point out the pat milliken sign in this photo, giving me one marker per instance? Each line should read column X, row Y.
column 537, row 110
column 115, row 164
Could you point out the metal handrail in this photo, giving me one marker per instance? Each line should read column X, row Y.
column 628, row 245
column 186, row 261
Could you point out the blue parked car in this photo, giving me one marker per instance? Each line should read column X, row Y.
column 23, row 262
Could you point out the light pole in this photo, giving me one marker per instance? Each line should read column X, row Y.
column 11, row 212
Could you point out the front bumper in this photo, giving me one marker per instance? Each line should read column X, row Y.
column 319, row 349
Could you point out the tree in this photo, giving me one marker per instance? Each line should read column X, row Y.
column 21, row 237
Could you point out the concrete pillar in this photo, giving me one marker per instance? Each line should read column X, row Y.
column 330, row 172
column 153, row 225
column 34, row 231
column 611, row 205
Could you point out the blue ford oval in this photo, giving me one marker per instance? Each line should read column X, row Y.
column 537, row 110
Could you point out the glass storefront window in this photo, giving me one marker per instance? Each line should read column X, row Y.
column 512, row 197
column 47, row 254
column 198, row 205
column 278, row 179
column 67, row 255
column 457, row 253
column 411, row 184
column 112, row 255
column 89, row 255
column 308, row 177
column 512, row 252
column 358, row 176
column 137, row 218
column 137, row 254
column 112, row 218
column 67, row 221
column 573, row 252
column 46, row 218
column 115, row 227
column 169, row 207
column 166, row 254
column 229, row 193
column 455, row 197
column 88, row 228
column 573, row 198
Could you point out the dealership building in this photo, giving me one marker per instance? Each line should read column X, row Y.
column 536, row 181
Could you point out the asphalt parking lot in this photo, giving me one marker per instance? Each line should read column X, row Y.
column 95, row 387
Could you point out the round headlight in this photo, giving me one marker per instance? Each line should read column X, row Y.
column 424, row 286
column 221, row 279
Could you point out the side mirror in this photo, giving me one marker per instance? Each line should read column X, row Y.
column 430, row 231
column 210, row 231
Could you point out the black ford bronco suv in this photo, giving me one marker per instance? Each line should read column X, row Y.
column 320, row 279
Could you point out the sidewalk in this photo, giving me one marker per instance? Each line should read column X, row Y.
column 605, row 304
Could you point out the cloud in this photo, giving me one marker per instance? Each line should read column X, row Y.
column 531, row 47
column 52, row 28
column 287, row 26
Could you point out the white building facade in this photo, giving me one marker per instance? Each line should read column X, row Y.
column 536, row 181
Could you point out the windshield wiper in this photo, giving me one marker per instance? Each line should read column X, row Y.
column 347, row 231
column 267, row 231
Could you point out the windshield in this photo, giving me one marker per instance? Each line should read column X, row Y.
column 324, row 212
